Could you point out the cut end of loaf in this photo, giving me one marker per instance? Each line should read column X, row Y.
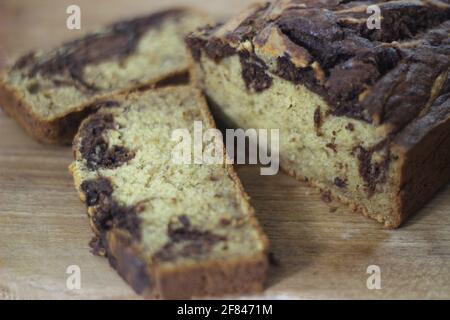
column 163, row 225
column 355, row 110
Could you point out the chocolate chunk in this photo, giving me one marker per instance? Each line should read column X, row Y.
column 372, row 172
column 96, row 191
column 186, row 241
column 387, row 59
column 94, row 148
column 185, row 221
column 341, row 183
column 225, row 222
column 332, row 146
column 109, row 214
column 350, row 127
column 196, row 45
column 112, row 215
column 315, row 30
column 317, row 118
column 254, row 72
column 288, row 71
column 187, row 233
column 359, row 74
column 217, row 50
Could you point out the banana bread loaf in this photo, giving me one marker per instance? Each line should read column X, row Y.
column 171, row 230
column 49, row 93
column 364, row 114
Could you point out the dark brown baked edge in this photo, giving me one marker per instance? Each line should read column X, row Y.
column 61, row 130
column 238, row 276
column 58, row 131
column 425, row 145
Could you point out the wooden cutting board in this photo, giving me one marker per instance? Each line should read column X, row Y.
column 320, row 250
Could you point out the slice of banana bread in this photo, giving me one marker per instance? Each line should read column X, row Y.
column 171, row 230
column 363, row 113
column 49, row 93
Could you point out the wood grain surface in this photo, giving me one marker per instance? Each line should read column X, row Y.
column 319, row 250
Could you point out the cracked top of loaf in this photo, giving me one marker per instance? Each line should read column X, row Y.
column 388, row 76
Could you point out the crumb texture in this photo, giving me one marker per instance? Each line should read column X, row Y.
column 176, row 217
